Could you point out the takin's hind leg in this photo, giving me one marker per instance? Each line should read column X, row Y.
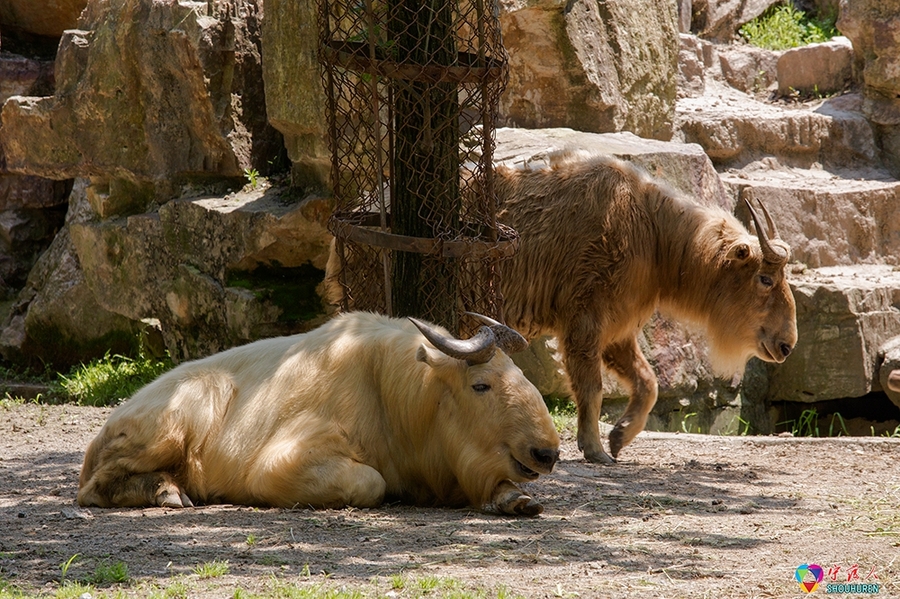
column 151, row 489
column 629, row 363
column 305, row 477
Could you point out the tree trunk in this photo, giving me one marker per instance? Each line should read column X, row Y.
column 425, row 198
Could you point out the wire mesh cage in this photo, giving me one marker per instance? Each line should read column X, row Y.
column 412, row 91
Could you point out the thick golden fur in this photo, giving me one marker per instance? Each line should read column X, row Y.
column 602, row 247
column 356, row 411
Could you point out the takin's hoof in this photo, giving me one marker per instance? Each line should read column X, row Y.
column 593, row 452
column 616, row 441
column 598, row 456
column 172, row 496
column 523, row 505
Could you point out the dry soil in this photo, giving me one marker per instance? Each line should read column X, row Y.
column 679, row 516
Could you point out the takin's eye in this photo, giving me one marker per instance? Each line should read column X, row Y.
column 766, row 280
column 481, row 388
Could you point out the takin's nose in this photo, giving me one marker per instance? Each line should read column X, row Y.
column 785, row 349
column 545, row 457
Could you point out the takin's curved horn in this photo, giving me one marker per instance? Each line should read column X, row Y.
column 770, row 254
column 772, row 232
column 475, row 350
column 508, row 339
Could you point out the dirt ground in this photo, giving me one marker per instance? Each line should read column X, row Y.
column 679, row 516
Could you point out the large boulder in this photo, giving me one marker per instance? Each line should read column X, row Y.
column 49, row 19
column 818, row 69
column 845, row 316
column 295, row 99
column 157, row 91
column 32, row 209
column 212, row 271
column 590, row 65
column 736, row 130
column 720, row 20
column 873, row 27
column 827, row 220
column 56, row 320
column 205, row 273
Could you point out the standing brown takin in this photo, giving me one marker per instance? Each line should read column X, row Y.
column 361, row 409
column 602, row 247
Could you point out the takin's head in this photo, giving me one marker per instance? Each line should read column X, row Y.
column 752, row 310
column 490, row 411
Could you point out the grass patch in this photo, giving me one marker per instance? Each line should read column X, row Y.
column 563, row 412
column 403, row 587
column 108, row 380
column 115, row 573
column 212, row 569
column 783, row 26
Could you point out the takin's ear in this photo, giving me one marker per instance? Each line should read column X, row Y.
column 739, row 252
column 429, row 355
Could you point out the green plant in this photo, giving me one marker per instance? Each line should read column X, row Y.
column 212, row 569
column 251, row 539
column 685, row 427
column 831, row 430
column 64, row 567
column 895, row 434
column 252, row 175
column 116, row 572
column 110, row 379
column 783, row 26
column 562, row 411
column 807, row 425
column 74, row 590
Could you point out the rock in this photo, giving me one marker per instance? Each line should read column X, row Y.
column 748, row 68
column 817, row 69
column 149, row 91
column 735, row 130
column 32, row 209
column 295, row 100
column 21, row 76
column 827, row 219
column 845, row 315
column 873, row 27
column 56, row 320
column 49, row 20
column 691, row 66
column 592, row 66
column 213, row 271
column 720, row 20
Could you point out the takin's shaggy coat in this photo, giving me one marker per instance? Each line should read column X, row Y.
column 602, row 247
column 361, row 409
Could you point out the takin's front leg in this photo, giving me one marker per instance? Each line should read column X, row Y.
column 151, row 489
column 581, row 351
column 510, row 499
column 629, row 363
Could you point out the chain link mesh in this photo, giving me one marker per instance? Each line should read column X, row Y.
column 413, row 88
